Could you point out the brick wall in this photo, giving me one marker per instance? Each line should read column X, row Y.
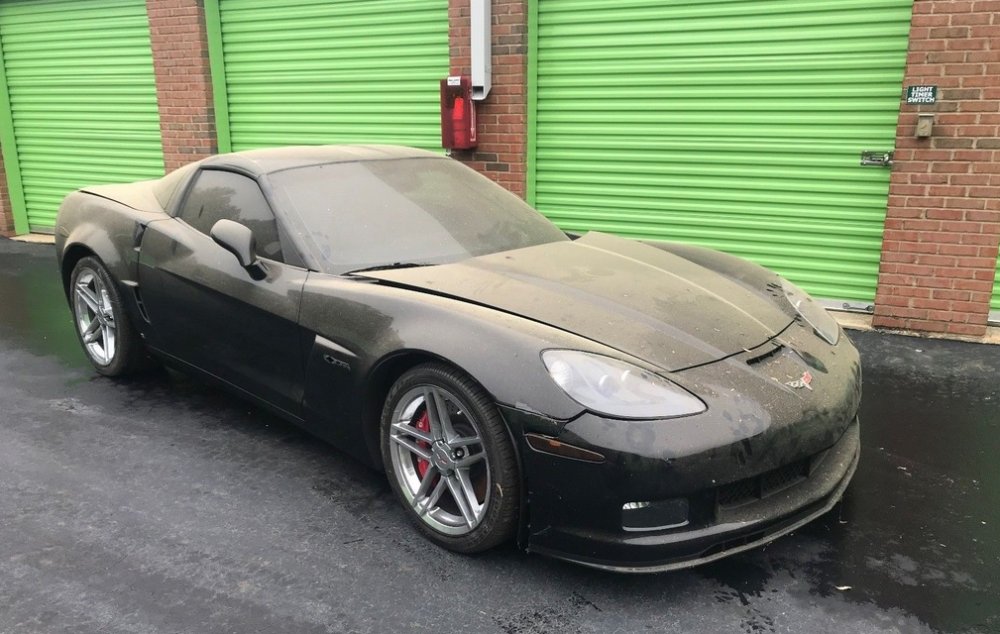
column 943, row 219
column 502, row 117
column 6, row 216
column 183, row 80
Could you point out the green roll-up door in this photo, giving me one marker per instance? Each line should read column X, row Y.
column 736, row 125
column 329, row 71
column 82, row 94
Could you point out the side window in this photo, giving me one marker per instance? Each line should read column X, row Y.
column 217, row 194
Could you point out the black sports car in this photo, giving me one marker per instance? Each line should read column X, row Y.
column 624, row 405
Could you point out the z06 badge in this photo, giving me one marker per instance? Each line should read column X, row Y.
column 803, row 381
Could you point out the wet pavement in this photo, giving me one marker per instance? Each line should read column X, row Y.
column 162, row 505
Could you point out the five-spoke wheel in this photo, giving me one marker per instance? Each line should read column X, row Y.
column 449, row 458
column 108, row 338
column 94, row 317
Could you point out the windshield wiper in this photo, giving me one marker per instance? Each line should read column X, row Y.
column 387, row 267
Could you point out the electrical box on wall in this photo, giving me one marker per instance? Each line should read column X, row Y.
column 925, row 125
column 458, row 114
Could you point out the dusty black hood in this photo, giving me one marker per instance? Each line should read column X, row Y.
column 627, row 295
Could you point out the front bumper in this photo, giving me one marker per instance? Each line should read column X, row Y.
column 771, row 453
column 714, row 532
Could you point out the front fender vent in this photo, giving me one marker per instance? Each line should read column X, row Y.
column 140, row 304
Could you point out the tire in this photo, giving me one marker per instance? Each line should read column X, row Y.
column 456, row 475
column 108, row 338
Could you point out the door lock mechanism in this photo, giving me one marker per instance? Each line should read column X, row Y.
column 876, row 158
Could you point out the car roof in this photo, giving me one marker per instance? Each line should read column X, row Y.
column 268, row 160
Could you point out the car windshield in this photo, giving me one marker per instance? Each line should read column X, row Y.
column 405, row 212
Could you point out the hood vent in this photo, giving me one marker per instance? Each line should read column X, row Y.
column 767, row 355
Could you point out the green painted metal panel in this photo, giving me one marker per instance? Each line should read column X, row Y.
column 328, row 71
column 736, row 125
column 79, row 74
column 995, row 300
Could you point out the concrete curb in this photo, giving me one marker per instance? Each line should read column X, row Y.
column 863, row 322
column 35, row 238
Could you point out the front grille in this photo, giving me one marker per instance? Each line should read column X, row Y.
column 761, row 486
column 784, row 477
column 739, row 492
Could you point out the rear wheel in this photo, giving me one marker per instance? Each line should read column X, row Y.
column 110, row 342
column 449, row 459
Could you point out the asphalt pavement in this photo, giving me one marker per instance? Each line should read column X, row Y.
column 162, row 505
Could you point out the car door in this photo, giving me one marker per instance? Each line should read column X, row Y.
column 207, row 311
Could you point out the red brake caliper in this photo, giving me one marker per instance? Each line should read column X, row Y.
column 423, row 424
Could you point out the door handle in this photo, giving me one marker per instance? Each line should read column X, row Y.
column 874, row 158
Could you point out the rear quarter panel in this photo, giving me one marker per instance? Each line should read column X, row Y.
column 108, row 229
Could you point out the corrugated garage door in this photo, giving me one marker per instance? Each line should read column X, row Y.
column 737, row 125
column 329, row 71
column 79, row 75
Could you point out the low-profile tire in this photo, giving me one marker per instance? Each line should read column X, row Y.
column 449, row 459
column 108, row 338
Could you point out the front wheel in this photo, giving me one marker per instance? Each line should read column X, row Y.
column 110, row 342
column 449, row 459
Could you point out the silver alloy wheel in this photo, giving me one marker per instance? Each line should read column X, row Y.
column 442, row 470
column 95, row 317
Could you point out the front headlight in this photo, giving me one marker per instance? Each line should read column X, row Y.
column 615, row 388
column 815, row 315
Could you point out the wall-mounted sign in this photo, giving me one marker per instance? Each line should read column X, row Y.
column 921, row 94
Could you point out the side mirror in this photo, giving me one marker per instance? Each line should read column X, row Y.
column 239, row 240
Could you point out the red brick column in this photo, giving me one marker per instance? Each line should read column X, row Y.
column 943, row 219
column 183, row 80
column 6, row 215
column 503, row 116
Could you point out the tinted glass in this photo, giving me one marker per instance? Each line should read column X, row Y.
column 218, row 195
column 419, row 210
column 166, row 188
